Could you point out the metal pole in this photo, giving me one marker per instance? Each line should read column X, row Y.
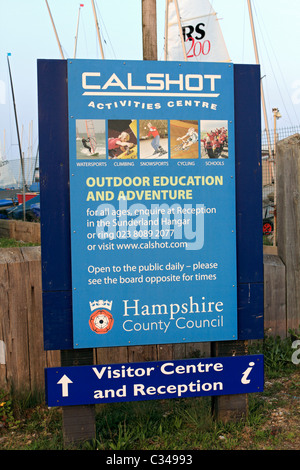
column 276, row 115
column 275, row 198
column 261, row 84
column 18, row 134
column 55, row 32
column 97, row 28
column 36, row 158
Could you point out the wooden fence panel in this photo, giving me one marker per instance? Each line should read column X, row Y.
column 21, row 323
column 3, row 320
column 288, row 222
column 14, row 317
column 21, row 319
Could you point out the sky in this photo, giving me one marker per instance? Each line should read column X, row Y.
column 26, row 32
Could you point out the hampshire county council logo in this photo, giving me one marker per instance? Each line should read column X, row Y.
column 101, row 320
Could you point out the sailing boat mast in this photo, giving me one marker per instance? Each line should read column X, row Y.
column 97, row 28
column 76, row 36
column 180, row 29
column 55, row 32
column 261, row 84
column 166, row 29
column 18, row 135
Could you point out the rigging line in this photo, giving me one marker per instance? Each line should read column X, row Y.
column 244, row 24
column 210, row 12
column 103, row 26
column 216, row 18
column 96, row 45
column 66, row 54
column 286, row 89
column 84, row 33
column 281, row 77
column 274, row 74
column 161, row 54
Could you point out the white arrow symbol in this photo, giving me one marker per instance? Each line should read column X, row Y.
column 64, row 381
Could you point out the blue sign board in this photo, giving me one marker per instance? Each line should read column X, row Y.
column 86, row 385
column 152, row 202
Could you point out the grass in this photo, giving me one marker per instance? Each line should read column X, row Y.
column 10, row 242
column 177, row 424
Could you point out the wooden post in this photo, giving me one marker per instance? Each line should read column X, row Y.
column 228, row 408
column 149, row 29
column 79, row 423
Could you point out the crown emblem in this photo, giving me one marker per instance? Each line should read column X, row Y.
column 100, row 304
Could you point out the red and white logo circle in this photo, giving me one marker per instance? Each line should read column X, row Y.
column 101, row 321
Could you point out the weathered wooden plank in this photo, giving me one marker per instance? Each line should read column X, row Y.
column 32, row 253
column 198, row 350
column 4, row 286
column 52, row 358
column 6, row 228
column 164, row 352
column 16, row 319
column 10, row 255
column 78, row 424
column 111, row 355
column 37, row 361
column 179, row 351
column 274, row 296
column 20, row 230
column 230, row 408
column 142, row 353
column 288, row 222
column 27, row 231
